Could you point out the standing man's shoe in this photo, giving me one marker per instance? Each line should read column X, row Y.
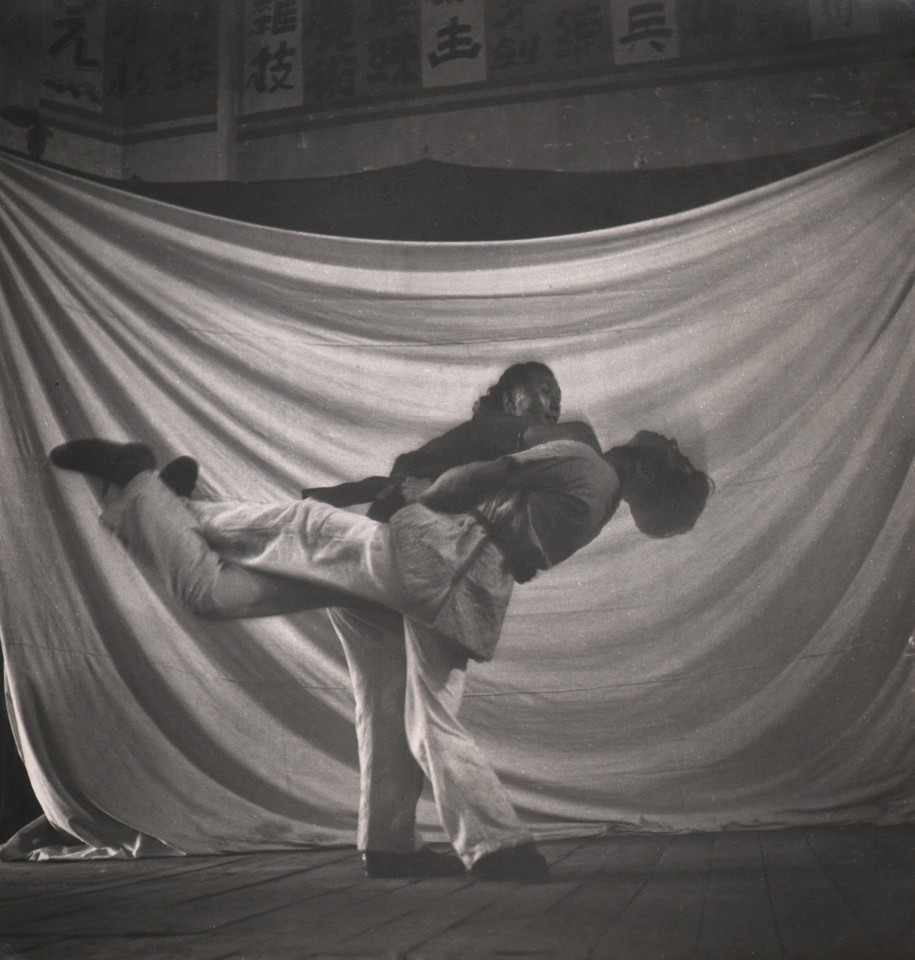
column 521, row 864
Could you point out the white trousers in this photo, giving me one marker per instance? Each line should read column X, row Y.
column 228, row 561
column 408, row 683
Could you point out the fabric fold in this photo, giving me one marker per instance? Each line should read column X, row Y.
column 756, row 672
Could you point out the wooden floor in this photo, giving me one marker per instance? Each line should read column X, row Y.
column 816, row 894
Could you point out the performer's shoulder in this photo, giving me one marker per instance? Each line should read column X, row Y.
column 565, row 448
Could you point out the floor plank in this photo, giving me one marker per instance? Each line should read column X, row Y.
column 189, row 899
column 328, row 908
column 879, row 891
column 664, row 918
column 897, row 842
column 576, row 923
column 813, row 920
column 459, row 907
column 497, row 928
column 800, row 894
column 737, row 917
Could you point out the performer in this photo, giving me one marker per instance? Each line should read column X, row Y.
column 448, row 574
column 391, row 780
column 525, row 395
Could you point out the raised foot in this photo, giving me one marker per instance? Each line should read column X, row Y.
column 109, row 460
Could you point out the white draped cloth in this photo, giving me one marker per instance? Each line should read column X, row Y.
column 755, row 673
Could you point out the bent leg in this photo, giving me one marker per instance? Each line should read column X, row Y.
column 390, row 778
column 162, row 533
column 473, row 806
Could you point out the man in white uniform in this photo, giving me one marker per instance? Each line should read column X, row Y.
column 445, row 563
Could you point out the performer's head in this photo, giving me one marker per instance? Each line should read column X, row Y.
column 524, row 389
column 665, row 492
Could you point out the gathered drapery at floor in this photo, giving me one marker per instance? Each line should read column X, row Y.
column 756, row 672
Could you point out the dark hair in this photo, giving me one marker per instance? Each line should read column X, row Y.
column 665, row 492
column 517, row 375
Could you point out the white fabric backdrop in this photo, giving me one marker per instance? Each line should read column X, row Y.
column 757, row 672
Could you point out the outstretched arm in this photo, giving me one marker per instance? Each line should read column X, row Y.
column 481, row 438
column 349, row 494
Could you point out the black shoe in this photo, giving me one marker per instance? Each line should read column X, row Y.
column 421, row 863
column 180, row 476
column 521, row 864
column 113, row 462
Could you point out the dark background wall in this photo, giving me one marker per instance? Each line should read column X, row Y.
column 168, row 90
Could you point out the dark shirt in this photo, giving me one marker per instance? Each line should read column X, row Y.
column 486, row 436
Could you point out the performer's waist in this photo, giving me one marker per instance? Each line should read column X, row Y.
column 524, row 559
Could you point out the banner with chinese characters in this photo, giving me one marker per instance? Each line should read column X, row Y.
column 356, row 52
column 360, row 50
column 271, row 39
column 453, row 47
column 168, row 61
column 73, row 45
column 152, row 62
column 643, row 32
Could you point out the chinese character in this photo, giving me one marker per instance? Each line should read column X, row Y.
column 196, row 67
column 648, row 21
column 72, row 27
column 285, row 16
column 261, row 17
column 453, row 44
column 508, row 52
column 333, row 76
column 277, row 63
column 578, row 28
column 514, row 16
